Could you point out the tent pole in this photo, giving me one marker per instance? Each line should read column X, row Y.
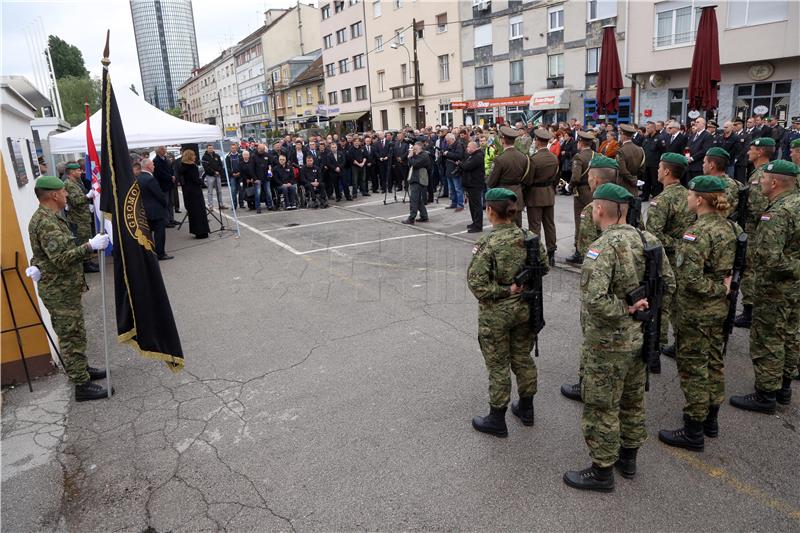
column 234, row 201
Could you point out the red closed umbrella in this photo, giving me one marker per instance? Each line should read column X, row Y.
column 609, row 78
column 705, row 63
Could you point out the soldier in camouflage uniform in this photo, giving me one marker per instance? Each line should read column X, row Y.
column 57, row 267
column 715, row 162
column 703, row 267
column 77, row 212
column 774, row 345
column 759, row 154
column 614, row 375
column 667, row 218
column 504, row 333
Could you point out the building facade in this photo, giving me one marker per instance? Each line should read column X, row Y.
column 525, row 60
column 211, row 94
column 225, row 74
column 251, row 85
column 302, row 95
column 345, row 61
column 166, row 44
column 389, row 29
column 759, row 56
column 282, row 98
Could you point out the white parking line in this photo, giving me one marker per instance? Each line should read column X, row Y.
column 362, row 243
column 406, row 215
column 270, row 238
column 301, row 226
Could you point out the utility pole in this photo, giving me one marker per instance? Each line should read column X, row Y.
column 274, row 102
column 221, row 116
column 416, row 75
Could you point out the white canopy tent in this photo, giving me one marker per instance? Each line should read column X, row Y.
column 145, row 126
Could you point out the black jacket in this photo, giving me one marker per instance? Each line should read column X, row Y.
column 334, row 160
column 308, row 175
column 455, row 152
column 356, row 155
column 292, row 157
column 229, row 165
column 212, row 163
column 698, row 146
column 472, row 169
column 678, row 146
column 260, row 163
column 163, row 173
column 384, row 149
column 247, row 170
column 153, row 198
column 417, row 162
column 729, row 144
column 282, row 175
column 653, row 147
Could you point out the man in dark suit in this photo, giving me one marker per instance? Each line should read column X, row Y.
column 371, row 168
column 473, row 182
column 385, row 152
column 314, row 152
column 676, row 140
column 155, row 207
column 698, row 145
column 334, row 164
column 166, row 180
column 653, row 146
column 400, row 161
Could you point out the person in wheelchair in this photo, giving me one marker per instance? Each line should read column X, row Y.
column 284, row 175
column 311, row 180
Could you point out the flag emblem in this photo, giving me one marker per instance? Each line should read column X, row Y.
column 691, row 237
column 592, row 254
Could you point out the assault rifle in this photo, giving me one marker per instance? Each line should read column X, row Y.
column 739, row 263
column 652, row 289
column 634, row 217
column 530, row 277
column 742, row 211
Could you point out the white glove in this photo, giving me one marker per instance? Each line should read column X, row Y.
column 91, row 194
column 567, row 188
column 33, row 273
column 99, row 242
column 91, row 208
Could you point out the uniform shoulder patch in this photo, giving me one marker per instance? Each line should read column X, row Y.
column 593, row 253
column 475, row 249
column 691, row 237
column 754, row 182
column 653, row 203
column 583, row 215
column 765, row 217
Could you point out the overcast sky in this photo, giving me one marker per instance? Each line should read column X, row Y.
column 84, row 24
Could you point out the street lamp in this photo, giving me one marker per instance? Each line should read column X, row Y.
column 395, row 46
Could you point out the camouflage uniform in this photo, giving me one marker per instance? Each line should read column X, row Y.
column 78, row 215
column 703, row 260
column 613, row 370
column 60, row 261
column 588, row 231
column 757, row 203
column 774, row 344
column 731, row 193
column 667, row 218
column 504, row 334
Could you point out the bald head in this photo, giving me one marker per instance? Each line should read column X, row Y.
column 147, row 165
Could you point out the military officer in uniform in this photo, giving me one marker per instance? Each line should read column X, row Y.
column 667, row 219
column 612, row 388
column 789, row 138
column 77, row 212
column 715, row 162
column 540, row 191
column 511, row 168
column 775, row 334
column 630, row 158
column 57, row 268
column 579, row 185
column 703, row 267
column 504, row 333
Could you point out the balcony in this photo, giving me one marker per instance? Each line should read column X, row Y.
column 405, row 92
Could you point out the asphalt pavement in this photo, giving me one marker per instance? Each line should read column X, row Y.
column 332, row 370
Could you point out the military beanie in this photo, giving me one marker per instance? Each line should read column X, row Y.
column 707, row 184
column 499, row 193
column 718, row 152
column 787, row 168
column 796, row 143
column 676, row 159
column 72, row 166
column 601, row 161
column 50, row 183
column 763, row 141
column 613, row 193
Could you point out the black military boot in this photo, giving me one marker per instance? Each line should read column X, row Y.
column 575, row 259
column 710, row 425
column 90, row 391
column 551, row 258
column 690, row 436
column 573, row 392
column 758, row 401
column 494, row 423
column 96, row 373
column 668, row 351
column 626, row 464
column 523, row 409
column 655, row 365
column 745, row 319
column 784, row 394
column 600, row 479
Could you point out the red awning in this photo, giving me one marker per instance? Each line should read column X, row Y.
column 705, row 63
column 492, row 102
column 609, row 77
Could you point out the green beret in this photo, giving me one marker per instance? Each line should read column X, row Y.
column 601, row 161
column 718, row 152
column 796, row 143
column 675, row 159
column 499, row 193
column 707, row 184
column 779, row 166
column 763, row 141
column 50, row 183
column 613, row 193
column 72, row 166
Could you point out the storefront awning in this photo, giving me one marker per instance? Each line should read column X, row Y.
column 349, row 117
column 492, row 102
column 552, row 99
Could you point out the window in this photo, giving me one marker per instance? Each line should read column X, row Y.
column 555, row 19
column 330, row 70
column 483, row 35
column 289, row 100
column 358, row 62
column 326, row 11
column 343, row 66
column 276, row 76
column 361, row 92
column 298, row 97
column 354, row 2
column 444, row 67
column 381, row 81
column 601, row 9
column 332, row 98
column 384, row 119
column 445, row 115
column 338, row 6
column 774, row 96
column 376, row 8
column 555, row 66
column 483, row 76
column 346, row 96
column 752, row 12
column 517, row 73
column 399, row 38
column 419, row 28
column 515, row 28
column 356, row 30
column 309, row 96
column 441, row 23
column 592, row 60
column 341, row 36
column 676, row 25
column 403, row 73
column 397, row 4
column 402, row 117
column 327, row 41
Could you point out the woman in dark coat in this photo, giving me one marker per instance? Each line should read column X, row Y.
column 188, row 176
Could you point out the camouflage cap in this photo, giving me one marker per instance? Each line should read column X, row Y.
column 787, row 168
column 50, row 183
column 601, row 161
column 707, row 184
column 675, row 159
column 796, row 143
column 499, row 193
column 718, row 152
column 72, row 166
column 763, row 141
column 613, row 193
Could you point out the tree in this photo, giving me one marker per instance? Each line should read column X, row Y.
column 75, row 91
column 67, row 59
column 176, row 112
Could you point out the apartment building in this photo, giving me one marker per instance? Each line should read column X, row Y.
column 251, row 85
column 281, row 98
column 759, row 56
column 346, row 65
column 390, row 32
column 303, row 97
column 225, row 74
column 538, row 60
column 197, row 96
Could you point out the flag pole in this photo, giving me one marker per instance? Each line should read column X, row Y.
column 101, row 253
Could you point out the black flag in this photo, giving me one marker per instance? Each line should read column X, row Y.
column 144, row 315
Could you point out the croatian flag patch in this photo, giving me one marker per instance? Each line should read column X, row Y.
column 592, row 254
column 765, row 217
column 653, row 203
column 691, row 237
